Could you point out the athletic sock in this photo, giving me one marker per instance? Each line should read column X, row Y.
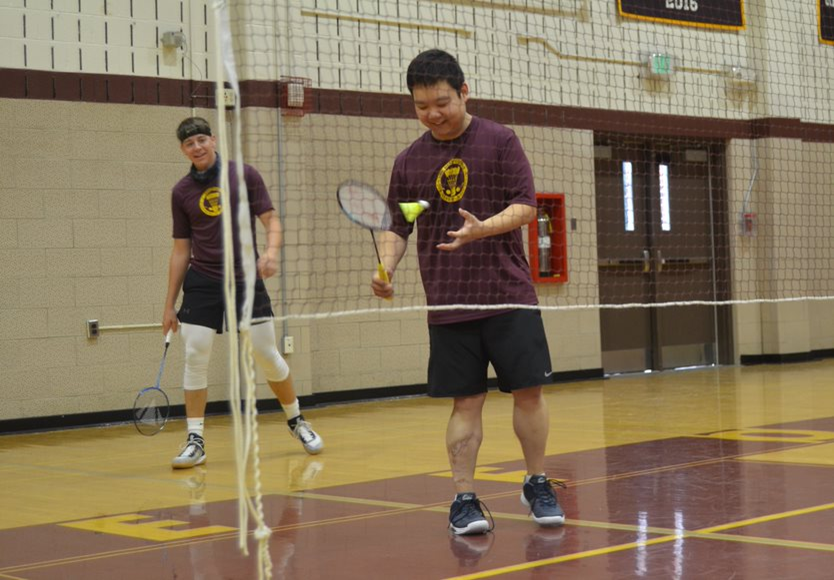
column 196, row 425
column 292, row 410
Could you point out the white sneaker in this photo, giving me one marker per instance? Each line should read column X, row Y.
column 303, row 431
column 193, row 453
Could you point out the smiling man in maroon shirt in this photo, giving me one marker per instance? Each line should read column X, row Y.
column 196, row 268
column 478, row 181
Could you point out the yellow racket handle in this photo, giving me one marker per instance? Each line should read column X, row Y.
column 383, row 275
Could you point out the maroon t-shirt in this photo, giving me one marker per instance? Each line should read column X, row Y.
column 197, row 215
column 483, row 171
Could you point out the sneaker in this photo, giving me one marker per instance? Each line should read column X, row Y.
column 538, row 494
column 467, row 517
column 193, row 453
column 303, row 431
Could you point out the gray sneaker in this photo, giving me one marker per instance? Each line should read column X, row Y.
column 303, row 431
column 538, row 494
column 193, row 453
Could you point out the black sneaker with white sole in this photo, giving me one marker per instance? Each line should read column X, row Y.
column 538, row 494
column 466, row 515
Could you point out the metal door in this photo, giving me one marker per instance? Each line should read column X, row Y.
column 659, row 241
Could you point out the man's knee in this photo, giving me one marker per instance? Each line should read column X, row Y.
column 273, row 365
column 198, row 341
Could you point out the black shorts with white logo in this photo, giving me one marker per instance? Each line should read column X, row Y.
column 514, row 342
column 203, row 301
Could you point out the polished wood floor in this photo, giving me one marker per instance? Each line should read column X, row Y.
column 714, row 473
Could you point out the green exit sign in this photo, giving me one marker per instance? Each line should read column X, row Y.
column 660, row 64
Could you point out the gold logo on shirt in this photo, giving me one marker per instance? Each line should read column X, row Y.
column 452, row 180
column 210, row 202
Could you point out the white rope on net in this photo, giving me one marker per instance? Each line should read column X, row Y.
column 241, row 359
column 547, row 308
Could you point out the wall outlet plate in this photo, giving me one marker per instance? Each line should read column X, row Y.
column 229, row 97
column 289, row 345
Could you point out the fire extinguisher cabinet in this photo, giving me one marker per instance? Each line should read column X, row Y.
column 547, row 239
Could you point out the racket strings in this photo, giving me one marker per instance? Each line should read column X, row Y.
column 364, row 205
column 150, row 411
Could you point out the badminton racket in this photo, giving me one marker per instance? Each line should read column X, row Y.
column 151, row 407
column 364, row 205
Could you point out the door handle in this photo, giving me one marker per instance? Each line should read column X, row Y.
column 647, row 261
column 660, row 261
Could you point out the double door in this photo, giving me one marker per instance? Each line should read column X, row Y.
column 662, row 239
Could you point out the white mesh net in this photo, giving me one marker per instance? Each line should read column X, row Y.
column 681, row 150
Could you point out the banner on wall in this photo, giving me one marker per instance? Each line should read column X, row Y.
column 826, row 21
column 720, row 14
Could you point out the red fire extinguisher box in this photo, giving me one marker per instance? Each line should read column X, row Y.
column 547, row 235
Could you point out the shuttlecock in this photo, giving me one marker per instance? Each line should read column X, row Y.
column 413, row 209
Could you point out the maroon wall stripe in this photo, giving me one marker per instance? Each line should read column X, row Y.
column 96, row 88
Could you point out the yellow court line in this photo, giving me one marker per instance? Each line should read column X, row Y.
column 761, row 541
column 768, row 518
column 560, row 559
column 704, row 533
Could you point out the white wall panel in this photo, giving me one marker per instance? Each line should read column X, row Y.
column 38, row 25
column 118, row 32
column 66, row 57
column 39, row 55
column 118, row 8
column 145, row 62
column 144, row 10
column 65, row 27
column 11, row 54
column 93, row 60
column 170, row 10
column 11, row 23
column 146, row 35
column 119, row 60
column 67, row 6
column 92, row 7
column 92, row 30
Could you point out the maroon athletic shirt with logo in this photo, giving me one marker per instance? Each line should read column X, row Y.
column 197, row 215
column 483, row 171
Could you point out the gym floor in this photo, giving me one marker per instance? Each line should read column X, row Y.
column 710, row 473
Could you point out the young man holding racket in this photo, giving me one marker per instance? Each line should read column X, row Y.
column 477, row 178
column 196, row 268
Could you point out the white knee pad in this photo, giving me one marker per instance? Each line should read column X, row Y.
column 198, row 341
column 266, row 353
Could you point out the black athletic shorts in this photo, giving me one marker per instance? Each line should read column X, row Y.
column 203, row 301
column 514, row 342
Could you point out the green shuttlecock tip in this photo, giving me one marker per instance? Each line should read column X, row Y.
column 413, row 209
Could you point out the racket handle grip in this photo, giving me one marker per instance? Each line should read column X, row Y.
column 169, row 336
column 383, row 275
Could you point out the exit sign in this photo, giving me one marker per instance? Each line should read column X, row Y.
column 660, row 65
